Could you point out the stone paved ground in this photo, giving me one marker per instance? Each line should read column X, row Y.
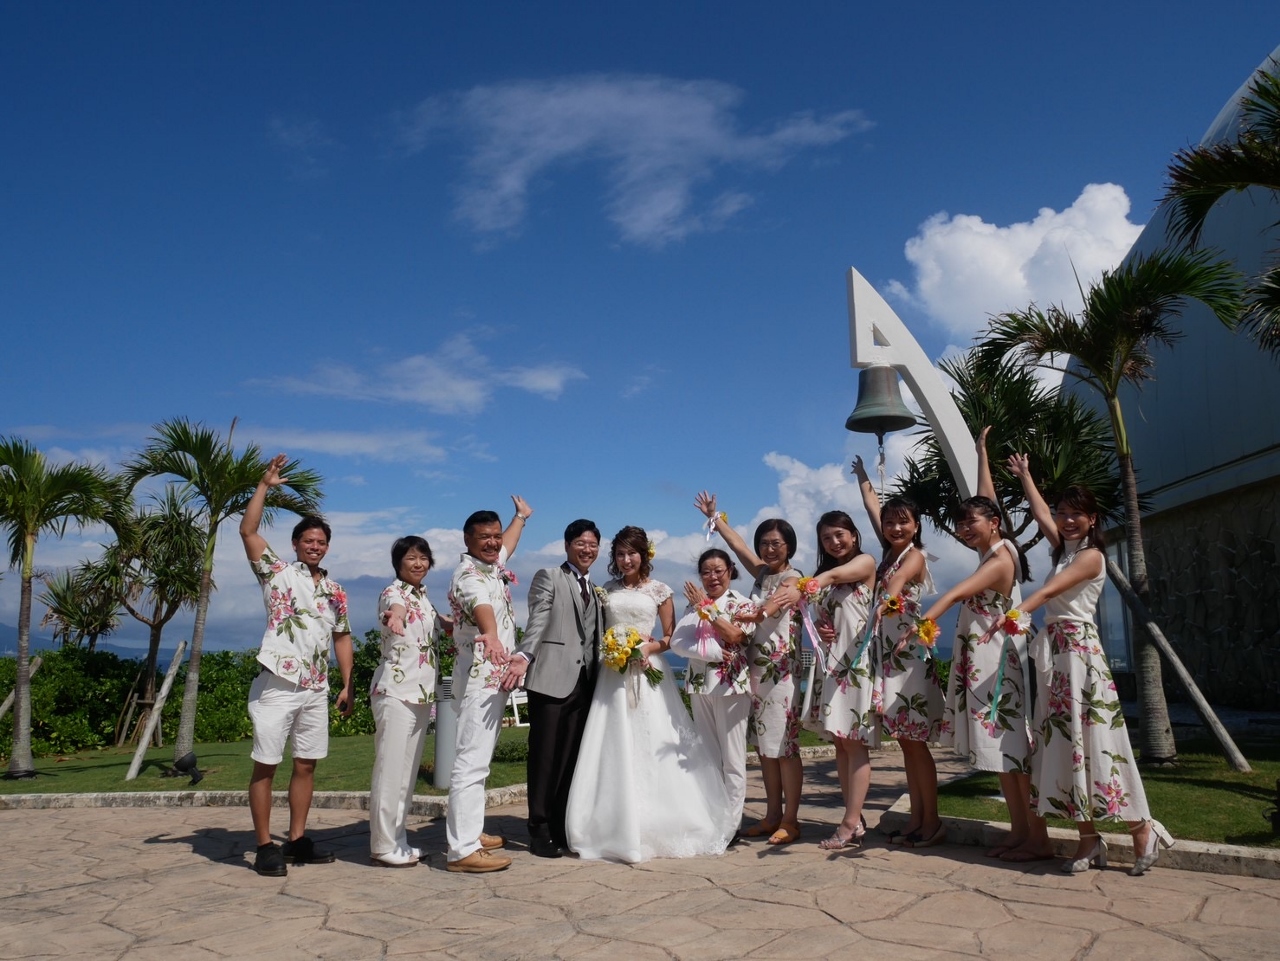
column 175, row 883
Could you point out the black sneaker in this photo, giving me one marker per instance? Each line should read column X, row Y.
column 304, row 851
column 269, row 861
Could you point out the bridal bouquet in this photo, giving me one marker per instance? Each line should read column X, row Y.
column 621, row 649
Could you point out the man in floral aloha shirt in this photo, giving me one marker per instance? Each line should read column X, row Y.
column 289, row 698
column 484, row 630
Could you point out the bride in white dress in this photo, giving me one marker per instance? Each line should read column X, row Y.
column 645, row 786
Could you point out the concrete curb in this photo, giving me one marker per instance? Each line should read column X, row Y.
column 1232, row 859
column 424, row 805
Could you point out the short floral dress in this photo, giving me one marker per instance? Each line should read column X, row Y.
column 985, row 718
column 1083, row 767
column 774, row 725
column 910, row 693
column 845, row 698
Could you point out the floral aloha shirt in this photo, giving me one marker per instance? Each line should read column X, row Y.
column 407, row 671
column 475, row 584
column 303, row 616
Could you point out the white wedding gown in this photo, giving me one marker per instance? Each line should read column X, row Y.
column 645, row 786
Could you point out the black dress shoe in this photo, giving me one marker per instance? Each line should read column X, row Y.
column 304, row 851
column 269, row 862
column 544, row 847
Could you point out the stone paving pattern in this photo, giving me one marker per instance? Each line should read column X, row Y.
column 176, row 883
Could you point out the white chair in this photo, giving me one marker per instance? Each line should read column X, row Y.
column 519, row 699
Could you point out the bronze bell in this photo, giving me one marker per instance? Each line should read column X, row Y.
column 880, row 409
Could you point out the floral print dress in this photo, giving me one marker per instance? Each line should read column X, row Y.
column 1084, row 767
column 985, row 718
column 846, row 695
column 910, row 693
column 774, row 726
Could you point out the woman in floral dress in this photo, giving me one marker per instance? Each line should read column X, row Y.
column 774, row 726
column 844, row 694
column 985, row 719
column 910, row 695
column 1083, row 768
column 401, row 695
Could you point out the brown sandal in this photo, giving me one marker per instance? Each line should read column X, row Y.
column 760, row 829
column 785, row 834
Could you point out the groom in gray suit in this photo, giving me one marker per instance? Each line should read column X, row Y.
column 557, row 664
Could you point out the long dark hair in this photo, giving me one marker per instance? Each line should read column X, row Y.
column 844, row 521
column 635, row 539
column 1080, row 499
column 898, row 505
column 988, row 508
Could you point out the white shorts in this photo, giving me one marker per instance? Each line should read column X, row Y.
column 281, row 710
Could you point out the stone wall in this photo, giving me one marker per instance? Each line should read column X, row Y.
column 1215, row 591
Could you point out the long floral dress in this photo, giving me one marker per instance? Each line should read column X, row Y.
column 774, row 727
column 1083, row 767
column 910, row 693
column 846, row 698
column 986, row 709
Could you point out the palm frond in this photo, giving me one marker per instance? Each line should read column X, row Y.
column 1262, row 311
column 36, row 498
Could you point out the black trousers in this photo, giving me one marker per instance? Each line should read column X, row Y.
column 555, row 733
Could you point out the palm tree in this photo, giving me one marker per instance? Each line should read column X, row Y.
column 1068, row 443
column 1201, row 176
column 35, row 499
column 1125, row 313
column 220, row 482
column 78, row 608
column 153, row 569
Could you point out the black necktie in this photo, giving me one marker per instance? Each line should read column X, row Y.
column 582, row 584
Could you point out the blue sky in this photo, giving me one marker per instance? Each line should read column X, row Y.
column 590, row 253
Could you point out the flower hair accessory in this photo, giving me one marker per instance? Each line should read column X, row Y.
column 652, row 552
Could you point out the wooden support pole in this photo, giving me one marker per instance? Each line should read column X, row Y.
column 1210, row 719
column 153, row 721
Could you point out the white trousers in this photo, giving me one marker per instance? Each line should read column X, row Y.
column 397, row 754
column 479, row 721
column 721, row 720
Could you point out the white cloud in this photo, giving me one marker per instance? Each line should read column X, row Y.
column 660, row 141
column 967, row 269
column 392, row 445
column 304, row 142
column 456, row 379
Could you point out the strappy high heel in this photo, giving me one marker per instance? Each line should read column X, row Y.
column 1158, row 838
column 1097, row 853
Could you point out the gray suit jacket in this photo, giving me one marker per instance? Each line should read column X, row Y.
column 562, row 634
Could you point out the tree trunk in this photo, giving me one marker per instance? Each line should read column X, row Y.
column 153, row 655
column 21, row 764
column 187, row 722
column 1156, row 731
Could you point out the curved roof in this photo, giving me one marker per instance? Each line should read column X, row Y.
column 1210, row 421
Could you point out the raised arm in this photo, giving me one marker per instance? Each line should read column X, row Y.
column 870, row 499
column 746, row 556
column 511, row 536
column 996, row 571
column 986, row 487
column 254, row 542
column 1020, row 467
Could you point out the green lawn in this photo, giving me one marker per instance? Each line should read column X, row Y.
column 227, row 768
column 1203, row 799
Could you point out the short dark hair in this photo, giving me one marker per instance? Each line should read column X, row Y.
column 635, row 539
column 578, row 528
column 410, row 542
column 782, row 527
column 480, row 517
column 310, row 522
column 716, row 552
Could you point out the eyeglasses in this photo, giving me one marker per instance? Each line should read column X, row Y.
column 714, row 571
column 773, row 544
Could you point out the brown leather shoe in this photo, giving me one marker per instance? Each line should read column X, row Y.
column 479, row 861
column 491, row 842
